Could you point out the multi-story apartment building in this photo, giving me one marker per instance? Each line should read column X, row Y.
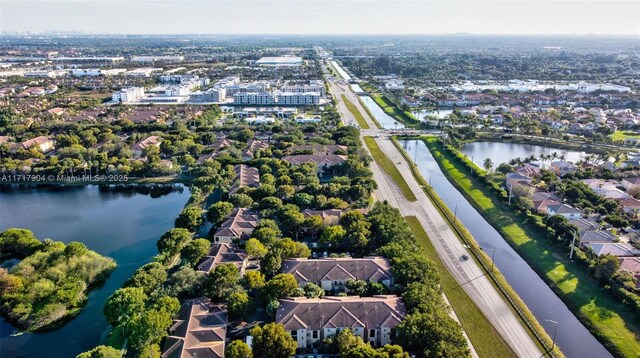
column 129, row 94
column 309, row 320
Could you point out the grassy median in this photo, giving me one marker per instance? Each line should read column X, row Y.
column 387, row 165
column 612, row 323
column 485, row 339
column 355, row 112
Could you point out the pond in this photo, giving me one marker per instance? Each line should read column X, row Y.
column 434, row 113
column 572, row 337
column 123, row 225
column 503, row 152
column 385, row 120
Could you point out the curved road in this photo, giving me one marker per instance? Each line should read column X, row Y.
column 445, row 241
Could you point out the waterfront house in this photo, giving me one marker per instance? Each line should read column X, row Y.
column 618, row 249
column 311, row 320
column 198, row 330
column 333, row 273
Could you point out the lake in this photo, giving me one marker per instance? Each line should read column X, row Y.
column 385, row 120
column 433, row 113
column 573, row 338
column 122, row 225
column 503, row 152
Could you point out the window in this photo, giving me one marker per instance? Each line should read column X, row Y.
column 294, row 335
column 372, row 333
column 314, row 334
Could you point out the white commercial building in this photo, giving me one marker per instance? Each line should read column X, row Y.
column 127, row 95
column 280, row 61
column 157, row 58
column 94, row 72
column 280, row 98
column 46, row 73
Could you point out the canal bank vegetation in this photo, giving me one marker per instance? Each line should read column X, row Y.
column 373, row 118
column 355, row 112
column 392, row 109
column 50, row 283
column 486, row 341
column 518, row 306
column 387, row 165
column 614, row 324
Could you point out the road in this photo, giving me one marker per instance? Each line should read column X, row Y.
column 448, row 246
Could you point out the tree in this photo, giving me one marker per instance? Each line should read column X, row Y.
column 190, row 218
column 271, row 262
column 241, row 200
column 194, row 251
column 173, row 241
column 238, row 349
column 123, row 304
column 606, row 266
column 420, row 297
column 218, row 211
column 311, row 290
column 357, row 230
column 488, row 165
column 239, row 305
column 290, row 248
column 255, row 248
column 222, row 281
column 433, row 334
column 332, row 235
column 281, row 285
column 253, row 280
column 150, row 351
column 272, row 341
column 148, row 277
column 185, row 282
column 18, row 243
column 266, row 235
column 149, row 327
column 101, row 352
column 415, row 267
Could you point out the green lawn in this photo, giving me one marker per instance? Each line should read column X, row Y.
column 621, row 135
column 612, row 323
column 485, row 339
column 387, row 165
column 356, row 113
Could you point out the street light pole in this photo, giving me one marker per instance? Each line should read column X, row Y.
column 555, row 330
column 573, row 244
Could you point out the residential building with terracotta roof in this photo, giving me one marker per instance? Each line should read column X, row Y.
column 309, row 320
column 324, row 162
column 217, row 146
column 246, row 177
column 140, row 146
column 198, row 330
column 42, row 143
column 252, row 148
column 238, row 226
column 223, row 254
column 329, row 216
column 319, row 149
column 333, row 273
column 631, row 265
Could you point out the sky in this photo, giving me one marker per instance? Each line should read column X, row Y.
column 322, row 16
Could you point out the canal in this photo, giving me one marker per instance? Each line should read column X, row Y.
column 385, row 120
column 572, row 337
column 124, row 225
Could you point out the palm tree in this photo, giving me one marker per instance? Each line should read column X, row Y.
column 488, row 165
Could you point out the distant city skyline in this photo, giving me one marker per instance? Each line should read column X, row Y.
column 321, row 17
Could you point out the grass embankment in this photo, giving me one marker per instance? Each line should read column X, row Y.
column 480, row 256
column 607, row 319
column 485, row 339
column 355, row 112
column 387, row 165
column 621, row 135
column 393, row 110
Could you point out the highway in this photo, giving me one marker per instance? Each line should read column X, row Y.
column 447, row 244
